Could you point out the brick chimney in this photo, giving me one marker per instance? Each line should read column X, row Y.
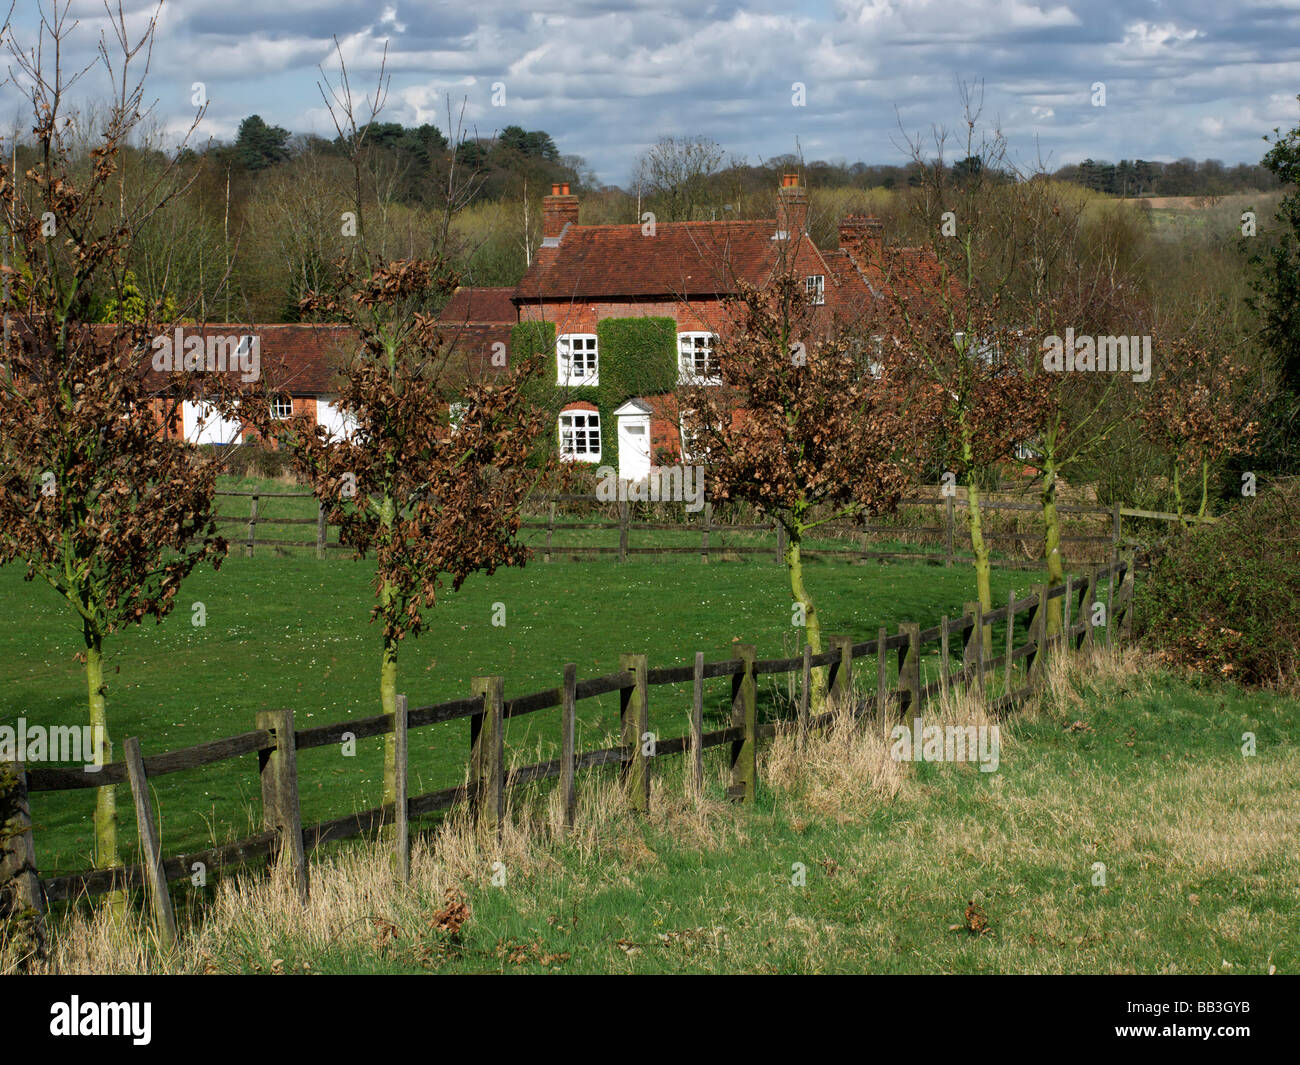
column 558, row 210
column 791, row 207
column 862, row 237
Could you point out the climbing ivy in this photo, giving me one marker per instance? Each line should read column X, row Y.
column 637, row 358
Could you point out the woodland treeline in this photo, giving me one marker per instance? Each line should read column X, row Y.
column 260, row 219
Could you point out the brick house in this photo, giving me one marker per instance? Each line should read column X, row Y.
column 586, row 275
column 584, row 280
column 300, row 359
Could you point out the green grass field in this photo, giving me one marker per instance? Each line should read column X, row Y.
column 1201, row 874
column 905, row 867
column 295, row 632
column 1137, row 770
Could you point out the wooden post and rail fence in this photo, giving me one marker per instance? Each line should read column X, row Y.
column 892, row 695
column 945, row 535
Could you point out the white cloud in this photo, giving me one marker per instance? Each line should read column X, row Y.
column 1149, row 39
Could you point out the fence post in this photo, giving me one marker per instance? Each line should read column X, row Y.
column 320, row 529
column 805, row 688
column 568, row 740
column 252, row 523
column 1116, row 526
column 944, row 658
column 487, row 756
column 840, row 681
column 401, row 807
column 622, row 530
column 967, row 647
column 950, row 512
column 744, row 715
column 909, row 669
column 1011, row 627
column 281, row 813
column 1110, row 604
column 1067, row 635
column 704, row 532
column 21, row 899
column 164, row 917
column 972, row 652
column 780, row 540
column 634, row 713
column 1085, row 609
column 882, row 673
column 550, row 528
column 1038, row 634
column 1126, row 599
column 697, row 725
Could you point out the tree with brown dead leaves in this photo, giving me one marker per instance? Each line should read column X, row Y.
column 801, row 428
column 944, row 309
column 441, row 455
column 95, row 499
column 1200, row 411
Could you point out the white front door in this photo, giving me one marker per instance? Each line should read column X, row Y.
column 634, row 447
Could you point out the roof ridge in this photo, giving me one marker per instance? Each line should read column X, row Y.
column 692, row 222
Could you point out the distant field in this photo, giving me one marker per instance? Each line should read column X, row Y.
column 1176, row 217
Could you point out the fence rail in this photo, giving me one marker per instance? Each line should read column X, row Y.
column 276, row 741
column 944, row 535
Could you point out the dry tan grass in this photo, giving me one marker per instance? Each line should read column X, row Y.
column 353, row 891
column 840, row 770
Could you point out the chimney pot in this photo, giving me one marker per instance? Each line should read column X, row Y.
column 559, row 209
column 791, row 207
column 862, row 237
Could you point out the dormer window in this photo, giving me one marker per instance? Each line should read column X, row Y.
column 576, row 359
column 815, row 286
column 696, row 362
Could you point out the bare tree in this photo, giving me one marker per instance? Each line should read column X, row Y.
column 675, row 176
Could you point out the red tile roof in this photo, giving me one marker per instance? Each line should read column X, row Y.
column 681, row 259
column 300, row 359
column 480, row 306
column 303, row 359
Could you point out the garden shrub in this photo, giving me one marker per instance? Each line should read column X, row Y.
column 1225, row 599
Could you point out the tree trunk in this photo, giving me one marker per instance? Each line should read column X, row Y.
column 980, row 550
column 388, row 670
column 813, row 632
column 105, row 822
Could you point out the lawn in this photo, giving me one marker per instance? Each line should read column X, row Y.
column 848, row 862
column 1144, row 775
column 294, row 631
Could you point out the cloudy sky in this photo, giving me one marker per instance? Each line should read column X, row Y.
column 606, row 78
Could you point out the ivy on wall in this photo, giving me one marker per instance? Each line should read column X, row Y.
column 637, row 357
